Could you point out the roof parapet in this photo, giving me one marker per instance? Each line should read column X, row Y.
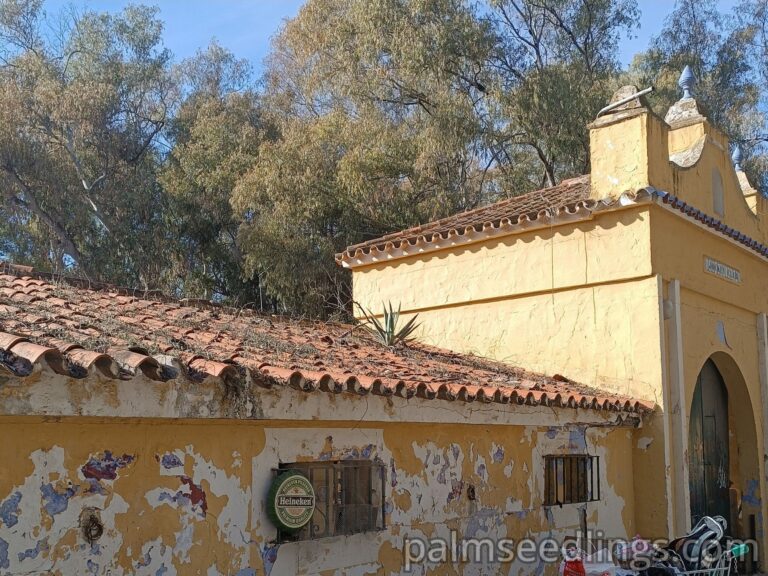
column 628, row 147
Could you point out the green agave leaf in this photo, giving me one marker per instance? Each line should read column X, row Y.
column 409, row 328
column 385, row 329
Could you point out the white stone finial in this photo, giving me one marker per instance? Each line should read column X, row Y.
column 737, row 157
column 687, row 81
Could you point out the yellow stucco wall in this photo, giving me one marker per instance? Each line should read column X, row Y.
column 561, row 257
column 678, row 249
column 694, row 185
column 186, row 497
column 718, row 315
column 719, row 321
column 577, row 300
column 650, row 469
column 591, row 299
column 637, row 149
column 628, row 153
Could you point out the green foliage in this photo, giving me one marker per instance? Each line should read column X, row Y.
column 386, row 330
column 371, row 116
column 83, row 100
column 216, row 134
column 391, row 113
column 554, row 66
column 379, row 124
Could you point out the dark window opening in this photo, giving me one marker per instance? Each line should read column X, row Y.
column 349, row 498
column 570, row 479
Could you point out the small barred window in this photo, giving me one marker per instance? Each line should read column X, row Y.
column 571, row 478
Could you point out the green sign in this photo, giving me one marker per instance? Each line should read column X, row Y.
column 291, row 501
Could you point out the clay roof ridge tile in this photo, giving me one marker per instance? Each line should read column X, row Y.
column 481, row 215
column 133, row 362
column 35, row 353
column 88, row 360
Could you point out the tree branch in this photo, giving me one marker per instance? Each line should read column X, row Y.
column 30, row 203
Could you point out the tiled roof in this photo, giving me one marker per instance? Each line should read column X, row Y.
column 568, row 200
column 709, row 221
column 508, row 212
column 75, row 329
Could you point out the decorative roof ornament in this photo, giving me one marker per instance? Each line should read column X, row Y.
column 686, row 82
column 687, row 110
column 737, row 157
column 750, row 192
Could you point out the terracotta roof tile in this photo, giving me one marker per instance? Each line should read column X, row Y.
column 89, row 359
column 8, row 341
column 35, row 353
column 76, row 328
column 508, row 211
column 570, row 199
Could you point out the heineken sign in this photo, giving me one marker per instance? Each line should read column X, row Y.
column 284, row 501
column 291, row 501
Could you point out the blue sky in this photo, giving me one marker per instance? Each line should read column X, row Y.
column 243, row 26
column 246, row 26
column 652, row 16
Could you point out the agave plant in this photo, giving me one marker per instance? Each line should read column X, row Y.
column 386, row 330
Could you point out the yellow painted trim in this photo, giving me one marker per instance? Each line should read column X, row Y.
column 678, row 414
column 521, row 295
column 666, row 386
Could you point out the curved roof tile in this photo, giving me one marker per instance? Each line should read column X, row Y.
column 74, row 329
column 571, row 198
column 568, row 197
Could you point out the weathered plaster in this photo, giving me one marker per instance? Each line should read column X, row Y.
column 187, row 496
column 152, row 524
column 42, row 393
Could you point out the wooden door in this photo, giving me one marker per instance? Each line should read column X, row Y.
column 708, row 458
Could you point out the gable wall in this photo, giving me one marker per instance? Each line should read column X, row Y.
column 577, row 300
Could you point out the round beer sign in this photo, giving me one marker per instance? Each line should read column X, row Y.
column 291, row 501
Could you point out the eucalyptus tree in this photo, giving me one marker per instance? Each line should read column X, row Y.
column 390, row 113
column 372, row 116
column 379, row 107
column 84, row 98
column 555, row 66
column 215, row 136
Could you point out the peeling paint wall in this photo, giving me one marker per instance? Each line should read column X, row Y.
column 187, row 517
column 187, row 497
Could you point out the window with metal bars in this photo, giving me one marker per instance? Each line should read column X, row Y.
column 571, row 478
column 349, row 498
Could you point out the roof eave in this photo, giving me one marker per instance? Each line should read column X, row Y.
column 561, row 216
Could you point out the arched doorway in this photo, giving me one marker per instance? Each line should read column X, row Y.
column 709, row 446
column 723, row 459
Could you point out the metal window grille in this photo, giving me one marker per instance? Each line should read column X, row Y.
column 571, row 478
column 349, row 498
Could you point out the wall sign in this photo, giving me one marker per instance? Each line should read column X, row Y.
column 722, row 270
column 291, row 501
